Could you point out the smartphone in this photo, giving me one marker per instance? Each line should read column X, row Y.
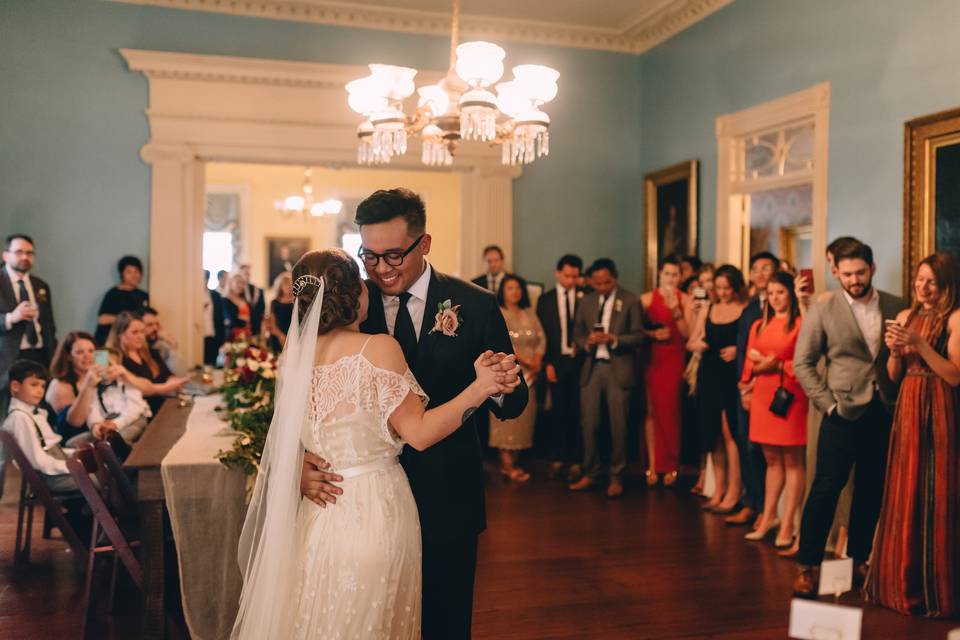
column 808, row 274
column 888, row 323
column 598, row 327
column 699, row 294
column 101, row 358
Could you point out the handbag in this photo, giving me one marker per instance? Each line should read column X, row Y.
column 782, row 399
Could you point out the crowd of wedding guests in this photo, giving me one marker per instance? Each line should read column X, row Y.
column 822, row 413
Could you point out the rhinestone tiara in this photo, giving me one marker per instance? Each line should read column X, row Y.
column 305, row 281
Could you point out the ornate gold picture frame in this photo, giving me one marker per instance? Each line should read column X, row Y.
column 931, row 189
column 670, row 197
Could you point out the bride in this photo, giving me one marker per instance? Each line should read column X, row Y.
column 353, row 570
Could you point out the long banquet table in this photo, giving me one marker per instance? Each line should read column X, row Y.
column 178, row 474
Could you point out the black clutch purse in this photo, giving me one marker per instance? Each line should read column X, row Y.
column 782, row 399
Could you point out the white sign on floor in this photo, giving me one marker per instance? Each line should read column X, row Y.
column 811, row 620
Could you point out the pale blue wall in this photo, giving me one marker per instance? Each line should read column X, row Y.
column 887, row 61
column 72, row 123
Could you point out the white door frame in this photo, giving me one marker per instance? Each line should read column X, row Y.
column 226, row 109
column 731, row 128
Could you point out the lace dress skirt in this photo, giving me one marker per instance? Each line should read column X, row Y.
column 360, row 563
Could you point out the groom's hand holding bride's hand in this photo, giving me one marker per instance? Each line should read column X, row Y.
column 497, row 373
column 508, row 365
column 316, row 483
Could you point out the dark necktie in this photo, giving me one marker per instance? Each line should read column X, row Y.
column 569, row 296
column 31, row 329
column 603, row 301
column 403, row 330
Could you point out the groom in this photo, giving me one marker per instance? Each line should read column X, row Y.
column 407, row 300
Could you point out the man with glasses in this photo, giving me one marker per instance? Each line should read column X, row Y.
column 27, row 329
column 442, row 324
column 753, row 467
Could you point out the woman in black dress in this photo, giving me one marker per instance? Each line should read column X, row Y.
column 126, row 296
column 717, row 391
column 281, row 311
column 129, row 338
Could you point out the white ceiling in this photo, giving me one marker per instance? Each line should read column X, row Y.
column 631, row 26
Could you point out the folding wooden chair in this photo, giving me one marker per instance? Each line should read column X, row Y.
column 123, row 494
column 34, row 491
column 106, row 537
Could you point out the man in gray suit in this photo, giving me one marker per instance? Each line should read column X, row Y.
column 857, row 397
column 608, row 329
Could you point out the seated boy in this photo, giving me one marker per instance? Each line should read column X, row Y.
column 28, row 424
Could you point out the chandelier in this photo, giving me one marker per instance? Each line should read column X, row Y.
column 462, row 106
column 304, row 204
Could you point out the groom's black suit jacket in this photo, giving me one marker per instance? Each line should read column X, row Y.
column 447, row 478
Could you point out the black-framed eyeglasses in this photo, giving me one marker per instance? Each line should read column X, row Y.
column 392, row 258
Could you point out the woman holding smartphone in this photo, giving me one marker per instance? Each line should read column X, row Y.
column 916, row 552
column 664, row 310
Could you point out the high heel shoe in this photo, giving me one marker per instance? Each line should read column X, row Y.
column 670, row 479
column 762, row 532
column 783, row 544
column 651, row 477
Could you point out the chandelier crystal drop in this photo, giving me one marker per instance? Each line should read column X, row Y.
column 462, row 106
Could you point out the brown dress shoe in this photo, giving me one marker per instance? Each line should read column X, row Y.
column 582, row 484
column 746, row 515
column 805, row 584
column 574, row 473
column 615, row 489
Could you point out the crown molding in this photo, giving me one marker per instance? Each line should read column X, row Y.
column 641, row 34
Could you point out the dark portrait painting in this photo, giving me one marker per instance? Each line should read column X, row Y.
column 283, row 253
column 931, row 216
column 671, row 214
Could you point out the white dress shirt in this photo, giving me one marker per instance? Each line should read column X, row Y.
column 23, row 425
column 416, row 305
column 869, row 318
column 566, row 299
column 603, row 352
column 125, row 401
column 15, row 278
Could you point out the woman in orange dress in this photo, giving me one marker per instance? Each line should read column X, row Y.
column 915, row 567
column 663, row 309
column 769, row 364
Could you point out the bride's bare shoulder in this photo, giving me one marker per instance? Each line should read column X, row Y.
column 383, row 351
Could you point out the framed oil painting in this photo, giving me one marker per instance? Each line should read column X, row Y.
column 670, row 197
column 931, row 189
column 282, row 254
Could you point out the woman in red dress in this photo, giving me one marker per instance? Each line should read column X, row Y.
column 769, row 364
column 915, row 567
column 665, row 325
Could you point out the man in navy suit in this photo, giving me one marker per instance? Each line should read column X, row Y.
column 27, row 329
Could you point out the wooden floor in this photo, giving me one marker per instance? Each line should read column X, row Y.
column 552, row 565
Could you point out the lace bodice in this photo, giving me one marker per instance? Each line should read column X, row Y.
column 350, row 404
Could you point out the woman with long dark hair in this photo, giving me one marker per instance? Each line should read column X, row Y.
column 716, row 341
column 916, row 554
column 780, row 431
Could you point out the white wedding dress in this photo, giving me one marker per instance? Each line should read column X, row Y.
column 358, row 561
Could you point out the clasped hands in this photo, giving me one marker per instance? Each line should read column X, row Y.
column 317, row 482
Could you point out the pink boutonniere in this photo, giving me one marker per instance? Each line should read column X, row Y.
column 448, row 320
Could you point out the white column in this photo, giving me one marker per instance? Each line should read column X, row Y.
column 487, row 216
column 176, row 232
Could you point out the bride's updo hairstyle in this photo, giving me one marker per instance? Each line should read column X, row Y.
column 342, row 287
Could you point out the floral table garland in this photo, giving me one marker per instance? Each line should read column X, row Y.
column 249, row 384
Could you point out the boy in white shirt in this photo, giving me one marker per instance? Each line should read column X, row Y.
column 118, row 407
column 28, row 424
